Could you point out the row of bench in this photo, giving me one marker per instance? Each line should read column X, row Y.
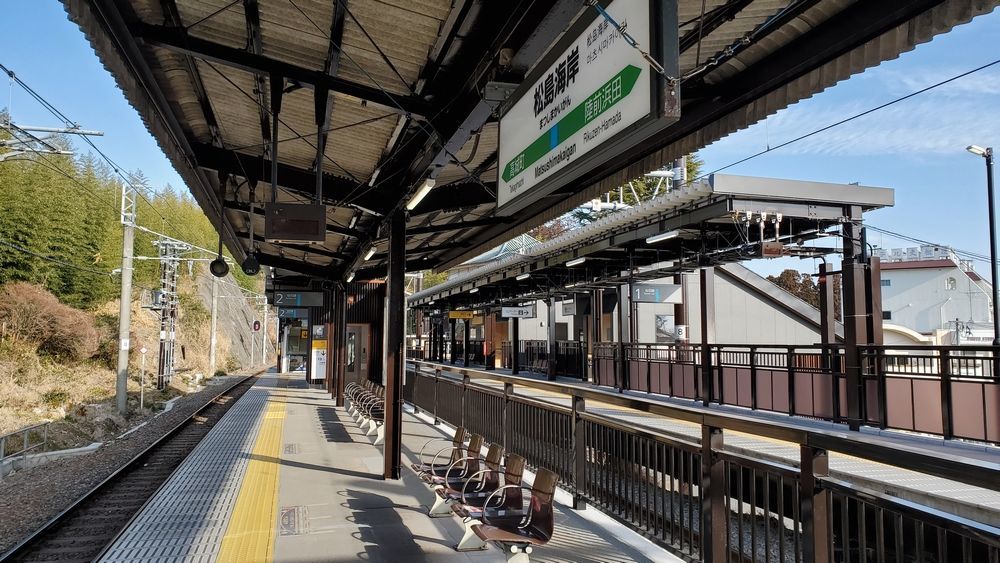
column 488, row 494
column 368, row 408
column 485, row 491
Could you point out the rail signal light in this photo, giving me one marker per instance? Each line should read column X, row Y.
column 256, row 326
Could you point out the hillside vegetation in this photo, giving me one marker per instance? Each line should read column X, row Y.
column 60, row 247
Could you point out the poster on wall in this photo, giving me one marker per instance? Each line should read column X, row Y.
column 664, row 328
column 318, row 360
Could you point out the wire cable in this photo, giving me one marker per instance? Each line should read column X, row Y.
column 53, row 260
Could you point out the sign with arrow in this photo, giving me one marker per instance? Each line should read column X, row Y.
column 524, row 312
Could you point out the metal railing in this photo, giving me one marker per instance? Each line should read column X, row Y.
column 31, row 438
column 571, row 357
column 701, row 500
column 950, row 391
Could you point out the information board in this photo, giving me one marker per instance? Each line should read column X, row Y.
column 293, row 313
column 298, row 299
column 460, row 314
column 592, row 89
column 656, row 293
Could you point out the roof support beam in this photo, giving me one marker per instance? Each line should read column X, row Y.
column 317, row 250
column 447, row 227
column 177, row 40
column 712, row 20
column 255, row 45
column 330, row 227
column 170, row 13
column 321, row 272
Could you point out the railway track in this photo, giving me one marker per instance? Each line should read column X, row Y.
column 84, row 529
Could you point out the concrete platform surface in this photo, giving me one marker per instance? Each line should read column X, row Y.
column 287, row 476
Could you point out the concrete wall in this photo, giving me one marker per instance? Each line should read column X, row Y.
column 924, row 301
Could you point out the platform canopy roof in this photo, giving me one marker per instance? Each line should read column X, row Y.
column 396, row 91
column 720, row 220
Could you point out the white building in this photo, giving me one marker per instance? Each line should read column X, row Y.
column 928, row 293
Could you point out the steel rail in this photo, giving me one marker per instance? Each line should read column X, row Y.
column 22, row 547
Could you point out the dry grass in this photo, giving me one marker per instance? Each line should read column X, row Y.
column 79, row 395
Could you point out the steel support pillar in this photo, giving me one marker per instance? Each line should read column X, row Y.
column 515, row 346
column 453, row 326
column 814, row 505
column 596, row 315
column 550, row 331
column 490, row 328
column 713, row 497
column 855, row 322
column 707, row 292
column 395, row 362
column 341, row 350
column 621, row 369
column 467, row 332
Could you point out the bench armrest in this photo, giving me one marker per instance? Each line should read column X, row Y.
column 489, row 499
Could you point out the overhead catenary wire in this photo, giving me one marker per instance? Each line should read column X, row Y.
column 20, row 248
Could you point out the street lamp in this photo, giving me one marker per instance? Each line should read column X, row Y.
column 987, row 154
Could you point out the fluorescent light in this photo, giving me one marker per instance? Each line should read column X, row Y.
column 354, row 221
column 523, row 277
column 976, row 150
column 577, row 261
column 350, row 277
column 474, row 290
column 421, row 194
column 370, row 253
column 431, row 302
column 662, row 236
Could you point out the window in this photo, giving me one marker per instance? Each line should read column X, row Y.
column 886, row 283
column 950, row 284
column 886, row 315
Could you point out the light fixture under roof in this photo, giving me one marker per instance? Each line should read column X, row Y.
column 350, row 277
column 523, row 277
column 420, row 195
column 370, row 253
column 662, row 237
column 474, row 290
column 576, row 261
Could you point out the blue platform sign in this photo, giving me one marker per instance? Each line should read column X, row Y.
column 298, row 298
column 293, row 313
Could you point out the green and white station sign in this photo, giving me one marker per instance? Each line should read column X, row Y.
column 596, row 88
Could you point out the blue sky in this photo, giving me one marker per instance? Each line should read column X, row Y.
column 916, row 146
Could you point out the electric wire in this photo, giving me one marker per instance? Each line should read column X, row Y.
column 20, row 248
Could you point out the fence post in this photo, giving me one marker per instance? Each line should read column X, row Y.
column 753, row 378
column 790, row 368
column 814, row 504
column 947, row 416
column 649, row 369
column 707, row 381
column 465, row 397
column 437, row 385
column 883, row 392
column 508, row 438
column 622, row 368
column 579, row 454
column 713, row 497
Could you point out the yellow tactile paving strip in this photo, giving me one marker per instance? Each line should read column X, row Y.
column 251, row 532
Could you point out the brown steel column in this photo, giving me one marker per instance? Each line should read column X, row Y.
column 707, row 292
column 551, row 333
column 596, row 311
column 329, row 305
column 395, row 363
column 621, row 367
column 855, row 323
column 873, row 294
column 340, row 352
column 467, row 331
column 490, row 328
column 827, row 314
column 814, row 505
column 515, row 346
column 454, row 328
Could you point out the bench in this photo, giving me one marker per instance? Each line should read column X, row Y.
column 456, row 447
column 517, row 535
column 368, row 409
column 472, row 479
column 458, row 470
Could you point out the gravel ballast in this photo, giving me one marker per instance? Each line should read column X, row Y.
column 31, row 497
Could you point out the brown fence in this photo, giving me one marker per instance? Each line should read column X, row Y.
column 698, row 499
column 949, row 391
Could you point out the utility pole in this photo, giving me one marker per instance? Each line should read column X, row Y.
column 263, row 336
column 125, row 306
column 169, row 261
column 215, row 320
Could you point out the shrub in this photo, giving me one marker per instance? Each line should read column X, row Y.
column 219, row 373
column 55, row 398
column 32, row 314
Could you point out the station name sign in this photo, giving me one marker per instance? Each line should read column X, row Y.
column 526, row 312
column 588, row 92
column 466, row 315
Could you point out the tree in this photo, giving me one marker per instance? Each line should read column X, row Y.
column 802, row 286
column 550, row 230
column 434, row 278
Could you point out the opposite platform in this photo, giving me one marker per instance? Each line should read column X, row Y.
column 287, row 476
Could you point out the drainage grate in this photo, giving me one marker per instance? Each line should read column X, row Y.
column 294, row 521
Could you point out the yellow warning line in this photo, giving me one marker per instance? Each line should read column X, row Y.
column 251, row 531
